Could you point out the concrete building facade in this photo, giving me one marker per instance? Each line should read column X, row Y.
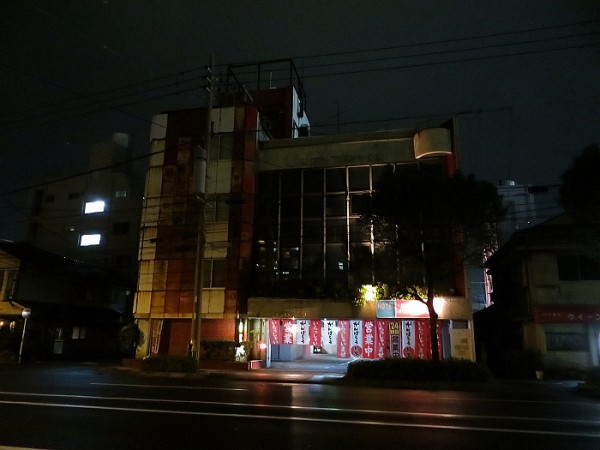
column 274, row 237
column 545, row 300
column 92, row 217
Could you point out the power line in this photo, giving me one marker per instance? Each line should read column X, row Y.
column 462, row 60
column 338, row 64
column 467, row 38
column 108, row 107
column 461, row 50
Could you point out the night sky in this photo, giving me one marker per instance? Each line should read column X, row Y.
column 521, row 76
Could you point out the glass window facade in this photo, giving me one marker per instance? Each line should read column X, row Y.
column 307, row 227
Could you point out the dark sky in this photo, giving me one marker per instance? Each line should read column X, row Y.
column 521, row 76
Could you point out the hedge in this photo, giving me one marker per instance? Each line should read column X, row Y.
column 414, row 369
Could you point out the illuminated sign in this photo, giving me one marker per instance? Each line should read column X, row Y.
column 407, row 309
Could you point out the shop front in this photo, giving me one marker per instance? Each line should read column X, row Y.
column 567, row 336
column 385, row 329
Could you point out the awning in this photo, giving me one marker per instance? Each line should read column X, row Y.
column 11, row 309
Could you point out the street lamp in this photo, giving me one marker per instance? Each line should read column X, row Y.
column 25, row 314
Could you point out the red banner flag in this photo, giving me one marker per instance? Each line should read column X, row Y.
column 369, row 340
column 423, row 340
column 315, row 333
column 274, row 337
column 287, row 331
column 382, row 339
column 343, row 339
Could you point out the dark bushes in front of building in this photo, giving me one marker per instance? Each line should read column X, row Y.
column 218, row 350
column 212, row 350
column 170, row 363
column 591, row 382
column 417, row 370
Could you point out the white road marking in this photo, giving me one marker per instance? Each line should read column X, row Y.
column 155, row 386
column 309, row 419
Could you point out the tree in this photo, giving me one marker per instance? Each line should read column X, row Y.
column 431, row 225
column 580, row 197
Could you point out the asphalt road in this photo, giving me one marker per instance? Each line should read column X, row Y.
column 95, row 407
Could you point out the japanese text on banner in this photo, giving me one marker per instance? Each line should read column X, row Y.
column 302, row 332
column 274, row 331
column 288, row 326
column 343, row 339
column 369, row 341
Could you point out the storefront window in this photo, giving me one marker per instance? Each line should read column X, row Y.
column 567, row 342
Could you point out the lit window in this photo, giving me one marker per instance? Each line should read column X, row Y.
column 90, row 239
column 120, row 194
column 94, row 207
column 78, row 333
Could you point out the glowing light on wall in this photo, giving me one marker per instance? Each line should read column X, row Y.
column 94, row 207
column 369, row 292
column 90, row 239
column 409, row 308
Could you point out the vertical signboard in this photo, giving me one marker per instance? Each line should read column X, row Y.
column 287, row 331
column 343, row 339
column 303, row 332
column 395, row 339
column 462, row 346
column 330, row 335
column 356, row 338
column 369, row 340
column 408, row 338
column 381, row 339
column 422, row 339
column 274, row 332
column 315, row 333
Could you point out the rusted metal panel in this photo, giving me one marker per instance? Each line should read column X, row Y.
column 159, row 281
column 146, row 275
column 172, row 302
column 157, row 306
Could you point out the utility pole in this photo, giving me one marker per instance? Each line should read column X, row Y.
column 200, row 175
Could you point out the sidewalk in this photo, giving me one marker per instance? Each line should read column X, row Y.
column 325, row 369
column 316, row 369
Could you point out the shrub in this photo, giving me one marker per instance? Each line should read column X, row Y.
column 220, row 350
column 170, row 363
column 592, row 377
column 7, row 356
column 522, row 363
column 414, row 369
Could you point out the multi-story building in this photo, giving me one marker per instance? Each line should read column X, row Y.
column 312, row 252
column 526, row 206
column 92, row 217
column 545, row 300
column 182, row 279
column 275, row 231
